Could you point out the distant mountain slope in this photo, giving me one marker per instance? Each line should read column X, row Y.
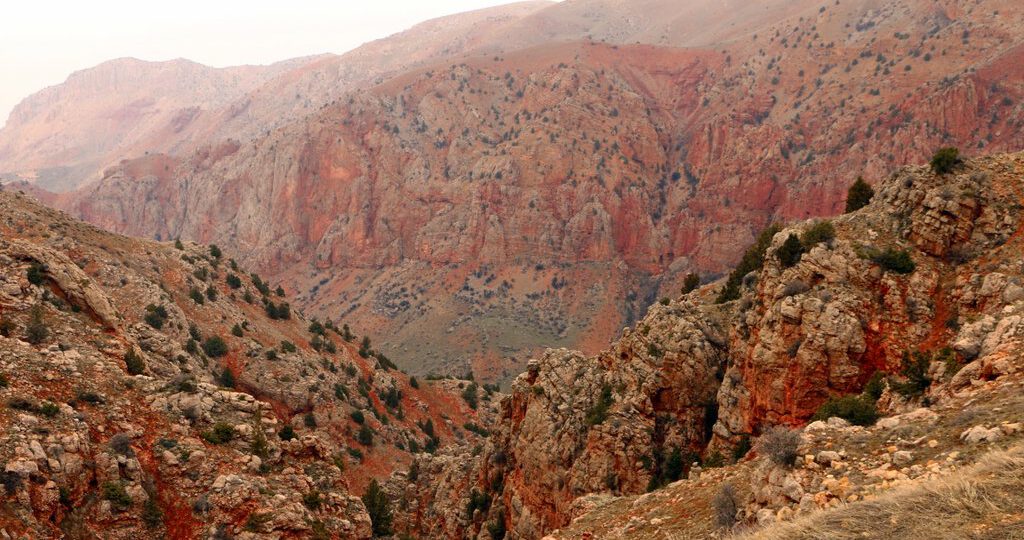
column 474, row 210
column 66, row 135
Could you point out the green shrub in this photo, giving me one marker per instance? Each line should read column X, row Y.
column 178, row 245
column 859, row 195
column 259, row 445
column 288, row 347
column 690, row 283
column 215, row 251
column 197, row 296
column 893, row 260
column 469, row 395
column 49, row 409
column 790, row 252
column 915, row 372
column 714, row 460
column 413, row 382
column 742, row 448
column 257, row 521
column 234, row 281
column 116, row 494
column 496, row 528
column 134, row 363
column 236, row 330
column 857, row 410
column 365, row 435
column 287, row 433
column 313, row 500
column 226, row 379
column 156, row 316
column 358, row 417
column 599, row 412
column 36, row 273
column 152, row 515
column 309, row 420
column 221, row 433
column 280, row 311
column 215, row 347
column 478, row 500
column 945, row 160
column 4, row 383
column 379, row 509
column 211, row 293
column 36, row 330
column 753, row 259
column 821, row 231
column 875, row 386
column 6, row 327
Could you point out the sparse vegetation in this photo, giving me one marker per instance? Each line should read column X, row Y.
column 599, row 412
column 215, row 347
column 753, row 259
column 891, row 259
column 469, row 395
column 690, row 283
column 855, row 409
column 790, row 252
column 780, row 444
column 156, row 316
column 116, row 494
column 36, row 331
column 725, row 506
column 915, row 375
column 821, row 232
column 287, row 433
column 859, row 195
column 36, row 273
column 379, row 509
column 365, row 435
column 220, row 433
column 133, row 362
column 945, row 160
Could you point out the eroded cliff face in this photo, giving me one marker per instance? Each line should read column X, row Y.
column 700, row 377
column 549, row 166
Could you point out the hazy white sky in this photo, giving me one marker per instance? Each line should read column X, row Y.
column 43, row 41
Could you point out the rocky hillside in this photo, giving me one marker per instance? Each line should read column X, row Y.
column 908, row 308
column 481, row 207
column 159, row 389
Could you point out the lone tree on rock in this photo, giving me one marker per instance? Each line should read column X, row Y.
column 859, row 195
column 377, row 505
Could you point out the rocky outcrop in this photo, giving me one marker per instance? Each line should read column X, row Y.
column 824, row 326
column 574, row 425
column 694, row 380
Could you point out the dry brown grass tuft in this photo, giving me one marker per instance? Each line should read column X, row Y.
column 985, row 501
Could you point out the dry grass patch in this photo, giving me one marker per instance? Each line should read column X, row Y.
column 985, row 501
